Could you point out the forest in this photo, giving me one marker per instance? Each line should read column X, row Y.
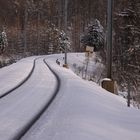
column 33, row 27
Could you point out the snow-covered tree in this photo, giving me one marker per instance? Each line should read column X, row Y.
column 94, row 35
column 3, row 41
column 64, row 41
column 126, row 52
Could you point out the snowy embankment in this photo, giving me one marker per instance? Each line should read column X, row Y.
column 11, row 76
column 78, row 63
column 85, row 111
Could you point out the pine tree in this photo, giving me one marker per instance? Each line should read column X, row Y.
column 94, row 36
column 3, row 41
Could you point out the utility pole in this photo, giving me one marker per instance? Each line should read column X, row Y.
column 109, row 38
column 65, row 28
column 38, row 31
column 25, row 28
column 109, row 85
column 128, row 96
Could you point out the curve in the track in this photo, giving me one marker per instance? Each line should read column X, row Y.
column 20, row 83
column 30, row 124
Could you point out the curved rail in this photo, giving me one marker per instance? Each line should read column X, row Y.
column 20, row 83
column 30, row 124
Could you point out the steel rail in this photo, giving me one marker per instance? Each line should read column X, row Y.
column 20, row 83
column 26, row 128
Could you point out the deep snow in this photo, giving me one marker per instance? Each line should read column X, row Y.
column 11, row 75
column 22, row 105
column 81, row 111
column 85, row 111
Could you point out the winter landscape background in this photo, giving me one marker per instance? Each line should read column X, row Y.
column 34, row 26
column 42, row 31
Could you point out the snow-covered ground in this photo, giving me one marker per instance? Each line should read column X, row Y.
column 82, row 110
column 85, row 111
column 19, row 108
column 11, row 76
column 78, row 63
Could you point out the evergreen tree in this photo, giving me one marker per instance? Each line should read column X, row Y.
column 3, row 41
column 94, row 36
column 64, row 41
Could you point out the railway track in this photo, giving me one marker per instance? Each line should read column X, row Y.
column 20, row 83
column 40, row 66
column 25, row 130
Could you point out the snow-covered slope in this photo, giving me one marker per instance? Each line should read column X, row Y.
column 85, row 111
column 78, row 63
